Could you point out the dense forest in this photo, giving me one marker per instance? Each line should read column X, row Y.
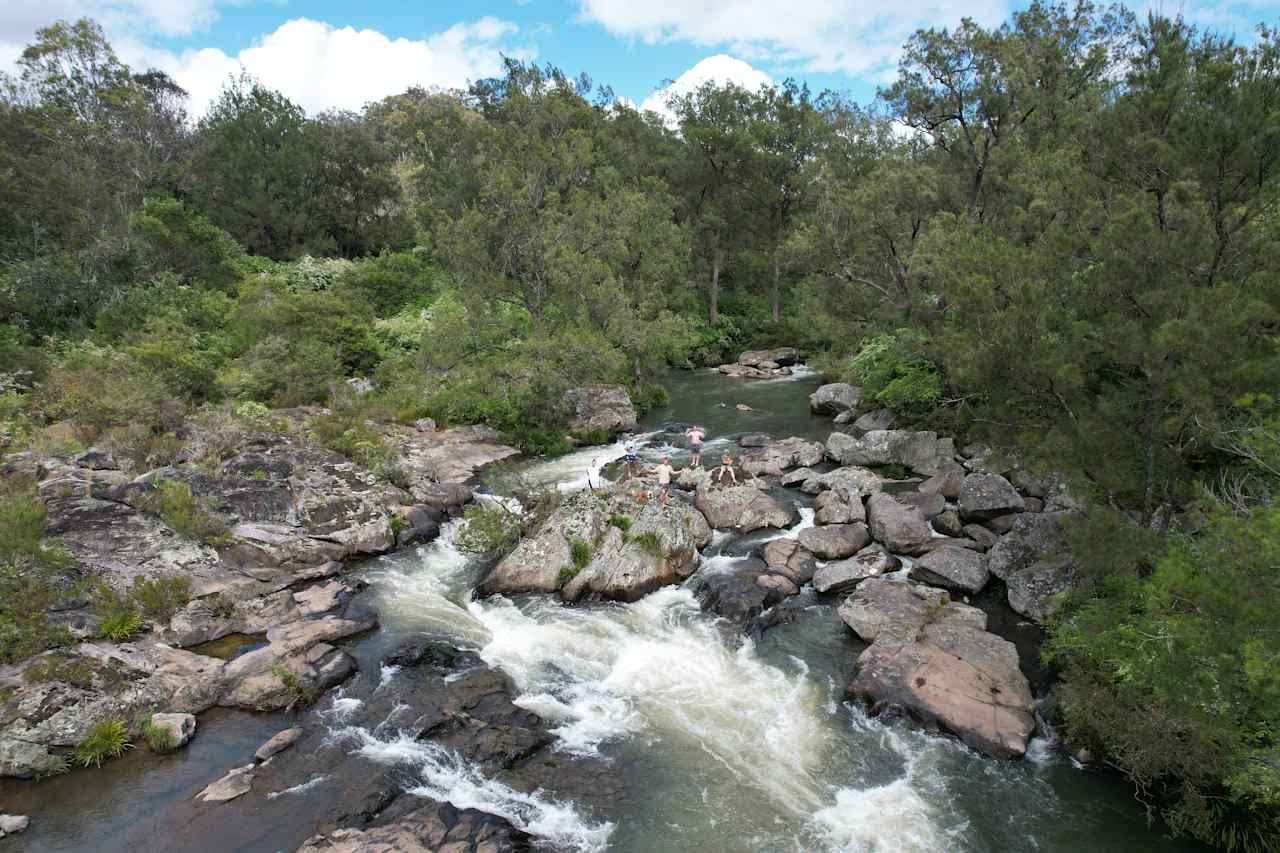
column 1060, row 236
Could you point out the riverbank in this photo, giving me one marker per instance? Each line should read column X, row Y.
column 660, row 724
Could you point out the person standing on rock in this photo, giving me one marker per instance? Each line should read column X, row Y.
column 696, row 435
column 664, row 480
column 726, row 467
column 629, row 460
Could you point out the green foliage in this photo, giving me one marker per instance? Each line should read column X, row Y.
column 347, row 430
column 120, row 626
column 491, row 529
column 580, row 553
column 892, row 372
column 98, row 388
column 32, row 576
column 1172, row 674
column 174, row 504
column 622, row 522
column 106, row 739
column 390, row 282
column 651, row 543
column 159, row 738
column 566, row 574
column 159, row 598
column 297, row 693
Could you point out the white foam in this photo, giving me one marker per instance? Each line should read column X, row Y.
column 447, row 777
column 386, row 674
column 890, row 818
column 299, row 789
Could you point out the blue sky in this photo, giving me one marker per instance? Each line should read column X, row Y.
column 329, row 54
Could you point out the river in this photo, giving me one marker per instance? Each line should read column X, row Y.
column 716, row 743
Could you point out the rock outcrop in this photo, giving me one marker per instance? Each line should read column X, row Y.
column 772, row 458
column 839, row 505
column 770, row 358
column 842, row 576
column 933, row 660
column 600, row 408
column 834, row 541
column 1034, row 561
column 658, row 546
column 835, row 398
column 430, row 828
column 787, row 557
column 179, row 727
column 742, row 508
column 922, row 452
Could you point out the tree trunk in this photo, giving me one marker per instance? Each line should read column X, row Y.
column 1148, row 459
column 714, row 313
column 776, row 275
column 635, row 367
column 975, row 191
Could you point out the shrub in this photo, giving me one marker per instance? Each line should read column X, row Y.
column 345, row 430
column 298, row 693
column 651, row 543
column 159, row 598
column 580, row 553
column 389, row 281
column 566, row 574
column 222, row 606
column 488, row 529
column 107, row 739
column 120, row 625
column 174, row 504
column 98, row 388
column 286, row 373
column 32, row 576
column 893, row 372
column 141, row 446
column 622, row 522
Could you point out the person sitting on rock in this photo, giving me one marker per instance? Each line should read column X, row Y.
column 696, row 435
column 664, row 480
column 726, row 467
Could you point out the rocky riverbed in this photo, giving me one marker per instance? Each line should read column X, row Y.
column 818, row 656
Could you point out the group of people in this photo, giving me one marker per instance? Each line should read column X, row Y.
column 696, row 436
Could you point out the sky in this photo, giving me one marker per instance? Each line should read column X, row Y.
column 326, row 54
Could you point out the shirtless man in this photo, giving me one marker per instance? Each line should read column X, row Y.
column 696, row 435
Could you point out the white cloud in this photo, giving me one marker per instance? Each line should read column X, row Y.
column 851, row 36
column 20, row 19
column 720, row 69
column 319, row 66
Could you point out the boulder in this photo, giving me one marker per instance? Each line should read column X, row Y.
column 236, row 783
column 856, row 480
column 180, row 727
column 277, row 743
column 743, row 508
column 980, row 535
column 430, row 828
column 777, row 357
column 952, row 568
column 605, row 408
column 842, row 576
column 955, row 676
column 779, row 584
column 901, row 529
column 786, row 557
column 930, row 504
column 773, row 457
column 12, row 824
column 845, row 417
column 97, row 459
column 1034, row 591
column 735, row 594
column 451, row 456
column 947, row 482
column 986, row 496
column 948, row 524
column 834, row 398
column 535, row 563
column 877, row 419
column 742, row 371
column 896, row 610
column 1034, row 537
column 922, row 452
column 839, row 506
column 835, row 541
column 1001, row 524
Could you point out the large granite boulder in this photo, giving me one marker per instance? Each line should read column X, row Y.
column 658, row 547
column 770, row 358
column 953, row 568
column 842, row 576
column 430, row 828
column 922, row 452
column 852, row 478
column 1035, row 563
column 738, row 594
column 900, row 528
column 448, row 456
column 840, row 505
column 742, row 508
column 933, row 660
column 834, row 541
column 604, row 408
column 987, row 496
column 835, row 398
column 786, row 557
column 772, row 458
column 876, row 419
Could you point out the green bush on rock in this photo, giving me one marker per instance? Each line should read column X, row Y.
column 106, row 739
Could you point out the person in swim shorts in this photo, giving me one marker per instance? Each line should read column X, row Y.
column 664, row 479
column 696, row 435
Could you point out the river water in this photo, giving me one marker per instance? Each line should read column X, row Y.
column 722, row 744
